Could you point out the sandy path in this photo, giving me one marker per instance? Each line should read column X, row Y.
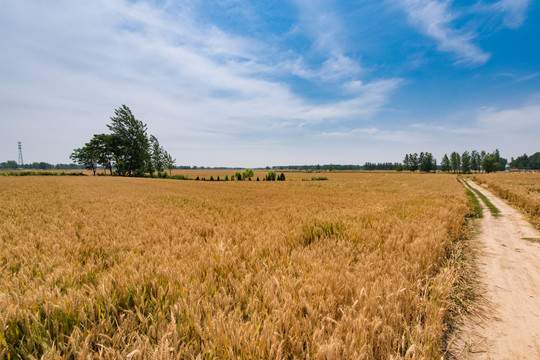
column 510, row 269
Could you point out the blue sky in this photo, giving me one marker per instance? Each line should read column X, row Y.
column 256, row 83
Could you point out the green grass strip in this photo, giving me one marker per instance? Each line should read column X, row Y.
column 477, row 207
column 492, row 208
column 533, row 240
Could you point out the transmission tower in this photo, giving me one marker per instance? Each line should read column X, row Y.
column 21, row 162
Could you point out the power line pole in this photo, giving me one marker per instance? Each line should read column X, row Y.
column 21, row 162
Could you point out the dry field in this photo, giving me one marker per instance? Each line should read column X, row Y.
column 357, row 267
column 520, row 189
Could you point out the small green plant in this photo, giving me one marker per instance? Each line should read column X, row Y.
column 238, row 176
column 271, row 176
column 281, row 177
column 320, row 178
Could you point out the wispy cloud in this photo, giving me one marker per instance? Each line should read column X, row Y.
column 513, row 11
column 319, row 21
column 435, row 19
column 70, row 65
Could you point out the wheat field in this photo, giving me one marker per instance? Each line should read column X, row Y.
column 521, row 189
column 356, row 267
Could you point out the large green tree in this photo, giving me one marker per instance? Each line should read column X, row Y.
column 455, row 161
column 86, row 156
column 128, row 148
column 465, row 162
column 132, row 153
column 427, row 162
column 445, row 163
column 476, row 161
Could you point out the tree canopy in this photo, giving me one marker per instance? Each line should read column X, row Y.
column 128, row 149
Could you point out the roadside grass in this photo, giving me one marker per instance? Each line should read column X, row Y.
column 492, row 208
column 478, row 212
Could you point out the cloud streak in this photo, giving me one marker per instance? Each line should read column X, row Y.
column 190, row 82
column 434, row 19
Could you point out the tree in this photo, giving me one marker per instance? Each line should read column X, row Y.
column 248, row 174
column 103, row 147
column 502, row 161
column 85, row 156
column 238, row 176
column 157, row 156
column 455, row 161
column 415, row 161
column 483, row 154
column 427, row 162
column 521, row 162
column 407, row 162
column 534, row 161
column 466, row 162
column 132, row 144
column 490, row 164
column 445, row 163
column 271, row 176
column 168, row 161
column 10, row 164
column 475, row 161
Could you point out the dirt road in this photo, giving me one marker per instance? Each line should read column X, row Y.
column 509, row 267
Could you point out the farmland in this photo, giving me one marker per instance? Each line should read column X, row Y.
column 520, row 189
column 356, row 267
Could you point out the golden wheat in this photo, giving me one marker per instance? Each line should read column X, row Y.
column 355, row 267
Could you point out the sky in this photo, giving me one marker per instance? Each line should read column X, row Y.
column 257, row 83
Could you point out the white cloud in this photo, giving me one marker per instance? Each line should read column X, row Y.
column 434, row 18
column 66, row 67
column 514, row 11
column 518, row 120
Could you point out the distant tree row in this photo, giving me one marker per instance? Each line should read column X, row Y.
column 380, row 166
column 127, row 150
column 12, row 165
column 327, row 167
column 473, row 161
column 463, row 163
column 424, row 162
column 526, row 162
column 247, row 174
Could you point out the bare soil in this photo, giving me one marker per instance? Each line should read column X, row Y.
column 508, row 326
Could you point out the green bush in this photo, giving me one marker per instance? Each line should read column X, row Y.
column 271, row 176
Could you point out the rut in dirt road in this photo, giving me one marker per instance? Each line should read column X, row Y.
column 509, row 267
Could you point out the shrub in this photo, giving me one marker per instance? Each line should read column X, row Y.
column 271, row 175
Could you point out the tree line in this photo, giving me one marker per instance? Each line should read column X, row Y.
column 525, row 162
column 466, row 162
column 12, row 165
column 128, row 150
